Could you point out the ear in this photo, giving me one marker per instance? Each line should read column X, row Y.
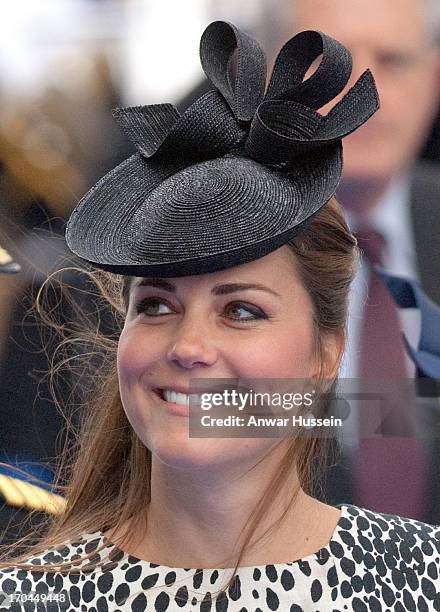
column 332, row 351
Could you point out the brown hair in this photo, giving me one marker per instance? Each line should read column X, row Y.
column 100, row 472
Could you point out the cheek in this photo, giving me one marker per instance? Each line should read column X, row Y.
column 128, row 355
column 136, row 363
column 397, row 101
column 136, row 354
column 286, row 353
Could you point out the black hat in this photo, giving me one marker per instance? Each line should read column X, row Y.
column 238, row 174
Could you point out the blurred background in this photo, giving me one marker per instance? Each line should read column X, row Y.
column 64, row 64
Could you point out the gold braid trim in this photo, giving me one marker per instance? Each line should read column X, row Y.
column 24, row 494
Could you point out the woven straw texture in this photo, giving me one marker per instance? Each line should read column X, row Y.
column 237, row 175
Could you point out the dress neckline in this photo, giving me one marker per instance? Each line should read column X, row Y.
column 320, row 556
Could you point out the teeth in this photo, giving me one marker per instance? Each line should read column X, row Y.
column 176, row 398
column 180, row 398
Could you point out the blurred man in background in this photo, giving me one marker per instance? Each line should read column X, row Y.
column 393, row 205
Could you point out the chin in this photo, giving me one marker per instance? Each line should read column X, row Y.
column 199, row 453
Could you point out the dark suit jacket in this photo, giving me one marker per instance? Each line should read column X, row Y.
column 425, row 218
column 425, row 215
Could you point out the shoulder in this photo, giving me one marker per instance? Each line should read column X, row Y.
column 392, row 541
column 71, row 553
column 384, row 559
column 363, row 518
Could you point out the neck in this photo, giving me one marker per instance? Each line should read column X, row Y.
column 195, row 521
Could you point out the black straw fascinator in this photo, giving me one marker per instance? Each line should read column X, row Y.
column 238, row 174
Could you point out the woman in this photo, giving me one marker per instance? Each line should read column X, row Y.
column 233, row 262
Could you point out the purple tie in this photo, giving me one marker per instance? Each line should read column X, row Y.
column 389, row 474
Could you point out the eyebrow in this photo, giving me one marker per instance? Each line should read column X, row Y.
column 160, row 283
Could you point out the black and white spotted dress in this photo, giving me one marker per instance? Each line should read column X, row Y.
column 373, row 562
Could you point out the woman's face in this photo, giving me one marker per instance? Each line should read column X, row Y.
column 251, row 321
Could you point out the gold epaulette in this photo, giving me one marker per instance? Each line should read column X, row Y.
column 26, row 495
column 5, row 258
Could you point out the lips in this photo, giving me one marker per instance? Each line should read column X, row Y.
column 171, row 407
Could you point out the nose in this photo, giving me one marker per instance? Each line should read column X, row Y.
column 193, row 345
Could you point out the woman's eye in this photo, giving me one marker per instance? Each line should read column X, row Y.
column 239, row 311
column 152, row 306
